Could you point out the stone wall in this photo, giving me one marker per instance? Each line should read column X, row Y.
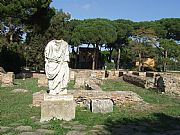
column 1, row 73
column 83, row 97
column 139, row 81
column 168, row 84
column 164, row 82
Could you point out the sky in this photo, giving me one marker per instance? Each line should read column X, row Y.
column 135, row 10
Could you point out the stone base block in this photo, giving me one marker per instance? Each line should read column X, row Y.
column 7, row 79
column 57, row 106
column 101, row 106
column 38, row 98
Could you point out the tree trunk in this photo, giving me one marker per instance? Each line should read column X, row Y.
column 93, row 58
column 118, row 58
column 140, row 64
column 97, row 57
column 10, row 30
column 165, row 64
column 77, row 54
column 110, row 54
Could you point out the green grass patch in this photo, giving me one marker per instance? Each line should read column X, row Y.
column 15, row 108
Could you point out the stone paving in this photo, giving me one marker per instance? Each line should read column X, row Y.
column 75, row 128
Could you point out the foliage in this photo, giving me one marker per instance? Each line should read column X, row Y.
column 172, row 26
column 30, row 24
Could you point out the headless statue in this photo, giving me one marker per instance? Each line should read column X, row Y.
column 56, row 66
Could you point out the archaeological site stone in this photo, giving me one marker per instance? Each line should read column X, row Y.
column 57, row 106
column 101, row 105
column 42, row 80
column 38, row 98
column 7, row 79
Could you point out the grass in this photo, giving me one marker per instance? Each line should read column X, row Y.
column 150, row 96
column 15, row 108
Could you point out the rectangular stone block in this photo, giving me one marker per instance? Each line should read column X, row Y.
column 7, row 79
column 143, row 74
column 101, row 105
column 42, row 80
column 79, row 82
column 58, row 106
column 38, row 98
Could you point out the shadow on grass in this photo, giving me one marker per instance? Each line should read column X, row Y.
column 157, row 123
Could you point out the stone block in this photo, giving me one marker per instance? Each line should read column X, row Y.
column 42, row 80
column 7, row 79
column 101, row 105
column 143, row 74
column 79, row 82
column 38, row 98
column 116, row 73
column 57, row 106
column 129, row 72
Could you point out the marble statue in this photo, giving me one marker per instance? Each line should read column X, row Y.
column 56, row 66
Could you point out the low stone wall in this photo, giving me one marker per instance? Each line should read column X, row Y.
column 168, row 84
column 139, row 81
column 84, row 97
column 164, row 82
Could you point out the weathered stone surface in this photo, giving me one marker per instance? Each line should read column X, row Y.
column 79, row 127
column 62, row 107
column 76, row 133
column 168, row 84
column 42, row 80
column 90, row 84
column 7, row 79
column 118, row 97
column 23, row 128
column 98, row 74
column 79, row 81
column 30, row 133
column 101, row 105
column 1, row 73
column 137, row 80
column 45, row 131
column 112, row 74
column 38, row 98
column 4, row 129
column 19, row 91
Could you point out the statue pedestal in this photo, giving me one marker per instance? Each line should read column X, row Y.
column 57, row 106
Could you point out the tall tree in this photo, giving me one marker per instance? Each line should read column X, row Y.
column 124, row 31
column 96, row 32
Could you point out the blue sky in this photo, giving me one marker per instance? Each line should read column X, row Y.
column 135, row 10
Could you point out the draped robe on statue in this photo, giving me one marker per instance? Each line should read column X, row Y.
column 56, row 65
